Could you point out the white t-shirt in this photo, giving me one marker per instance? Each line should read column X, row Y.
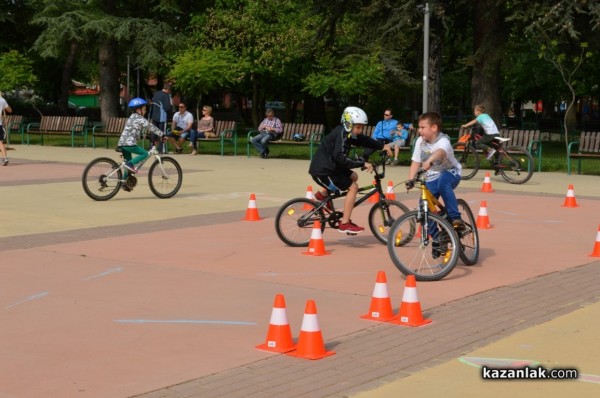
column 423, row 151
column 487, row 123
column 183, row 120
column 3, row 105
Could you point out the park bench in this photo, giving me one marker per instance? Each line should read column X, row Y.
column 312, row 134
column 226, row 131
column 588, row 147
column 13, row 124
column 60, row 126
column 529, row 139
column 113, row 128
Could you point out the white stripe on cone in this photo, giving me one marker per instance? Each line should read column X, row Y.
column 310, row 195
column 278, row 317
column 410, row 295
column 252, row 204
column 381, row 290
column 310, row 323
column 316, row 233
column 598, row 237
column 483, row 211
column 570, row 193
column 486, row 179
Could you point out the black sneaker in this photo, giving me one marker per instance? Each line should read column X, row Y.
column 437, row 250
column 126, row 188
column 178, row 150
column 458, row 224
column 320, row 197
column 130, row 167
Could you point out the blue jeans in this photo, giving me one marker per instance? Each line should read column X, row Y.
column 261, row 141
column 444, row 186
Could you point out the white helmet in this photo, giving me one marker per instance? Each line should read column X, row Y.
column 353, row 115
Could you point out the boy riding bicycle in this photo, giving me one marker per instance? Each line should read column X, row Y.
column 331, row 166
column 433, row 153
column 132, row 131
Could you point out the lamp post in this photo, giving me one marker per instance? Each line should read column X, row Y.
column 425, row 56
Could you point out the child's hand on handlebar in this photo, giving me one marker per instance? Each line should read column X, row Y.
column 410, row 184
column 368, row 166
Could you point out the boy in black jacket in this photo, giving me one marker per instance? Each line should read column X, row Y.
column 331, row 166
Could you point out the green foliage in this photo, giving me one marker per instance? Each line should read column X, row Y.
column 16, row 71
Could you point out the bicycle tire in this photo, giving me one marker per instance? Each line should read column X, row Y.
column 516, row 165
column 378, row 218
column 95, row 182
column 468, row 158
column 165, row 181
column 295, row 219
column 415, row 256
column 469, row 237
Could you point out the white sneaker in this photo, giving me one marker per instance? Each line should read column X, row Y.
column 5, row 162
column 491, row 154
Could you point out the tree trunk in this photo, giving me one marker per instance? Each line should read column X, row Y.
column 489, row 37
column 67, row 73
column 109, row 79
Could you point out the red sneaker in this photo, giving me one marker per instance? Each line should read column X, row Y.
column 350, row 228
column 320, row 197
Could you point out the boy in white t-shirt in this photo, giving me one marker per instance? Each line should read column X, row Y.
column 433, row 152
column 4, row 107
column 489, row 128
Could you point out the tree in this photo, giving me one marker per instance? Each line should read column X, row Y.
column 16, row 71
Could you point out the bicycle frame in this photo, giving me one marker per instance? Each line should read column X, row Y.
column 152, row 152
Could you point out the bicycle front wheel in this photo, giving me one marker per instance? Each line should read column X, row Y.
column 382, row 215
column 431, row 253
column 165, row 179
column 468, row 158
column 295, row 220
column 468, row 237
column 516, row 165
column 101, row 179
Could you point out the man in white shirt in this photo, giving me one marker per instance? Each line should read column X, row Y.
column 181, row 127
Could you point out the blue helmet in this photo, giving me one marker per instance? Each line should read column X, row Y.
column 137, row 103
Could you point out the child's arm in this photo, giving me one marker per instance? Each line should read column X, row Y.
column 471, row 123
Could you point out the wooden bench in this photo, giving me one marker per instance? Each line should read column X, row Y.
column 227, row 132
column 113, row 128
column 13, row 123
column 588, row 147
column 59, row 125
column 312, row 135
column 529, row 139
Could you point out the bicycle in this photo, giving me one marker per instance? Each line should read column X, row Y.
column 296, row 217
column 103, row 177
column 424, row 243
column 515, row 164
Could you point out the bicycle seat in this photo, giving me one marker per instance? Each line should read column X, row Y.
column 501, row 139
column 118, row 149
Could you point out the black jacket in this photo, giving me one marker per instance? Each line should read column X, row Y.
column 332, row 156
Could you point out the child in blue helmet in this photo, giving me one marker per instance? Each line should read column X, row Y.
column 132, row 131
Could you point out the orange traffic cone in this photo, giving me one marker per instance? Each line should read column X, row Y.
column 389, row 194
column 410, row 308
column 252, row 211
column 316, row 246
column 310, row 343
column 374, row 198
column 309, row 196
column 487, row 184
column 279, row 336
column 381, row 305
column 596, row 252
column 570, row 200
column 483, row 221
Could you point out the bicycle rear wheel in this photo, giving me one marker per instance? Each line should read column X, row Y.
column 469, row 237
column 379, row 220
column 295, row 220
column 165, row 180
column 415, row 254
column 515, row 165
column 468, row 158
column 101, row 179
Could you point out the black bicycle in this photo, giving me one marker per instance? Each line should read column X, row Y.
column 296, row 218
column 515, row 164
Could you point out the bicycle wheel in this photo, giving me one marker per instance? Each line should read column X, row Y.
column 418, row 255
column 165, row 180
column 101, row 179
column 515, row 164
column 469, row 237
column 295, row 220
column 468, row 158
column 379, row 220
